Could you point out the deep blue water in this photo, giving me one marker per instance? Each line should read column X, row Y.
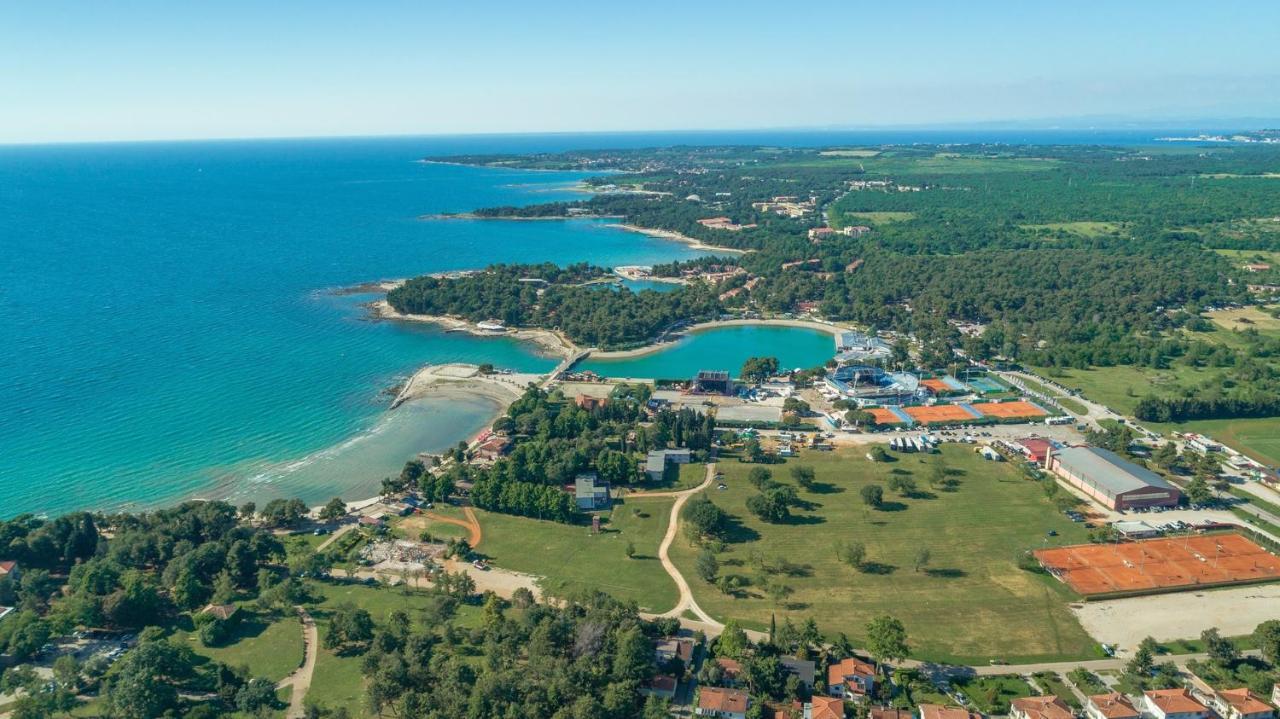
column 167, row 330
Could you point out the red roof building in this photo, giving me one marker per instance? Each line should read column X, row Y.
column 1110, row 706
column 722, row 703
column 1043, row 707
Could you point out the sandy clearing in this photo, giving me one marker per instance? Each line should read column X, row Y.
column 1126, row 622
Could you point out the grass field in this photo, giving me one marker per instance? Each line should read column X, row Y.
column 1121, row 387
column 1259, row 437
column 880, row 218
column 1082, row 228
column 271, row 646
column 1051, row 683
column 991, row 695
column 971, row 605
column 571, row 558
column 1242, row 318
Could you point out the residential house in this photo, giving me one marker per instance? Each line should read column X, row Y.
column 889, row 713
column 223, row 612
column 821, row 708
column 5, row 611
column 1242, row 704
column 730, row 670
column 722, row 703
column 590, row 403
column 376, row 521
column 855, row 230
column 591, row 492
column 655, row 463
column 493, row 448
column 1275, row 694
column 803, row 669
column 1174, row 704
column 662, row 686
column 9, row 568
column 1042, row 707
column 1110, row 706
column 937, row 711
column 852, row 679
column 817, row 234
column 664, row 650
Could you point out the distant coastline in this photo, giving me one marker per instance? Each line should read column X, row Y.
column 674, row 338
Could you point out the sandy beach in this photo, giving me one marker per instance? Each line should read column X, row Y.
column 466, row 379
column 675, row 338
column 551, row 341
column 678, row 237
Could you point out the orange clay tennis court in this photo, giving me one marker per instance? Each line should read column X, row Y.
column 1158, row 564
column 1009, row 410
column 939, row 413
column 884, row 416
column 938, row 386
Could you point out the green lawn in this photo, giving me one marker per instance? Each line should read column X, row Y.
column 879, row 218
column 1052, row 683
column 1083, row 228
column 1121, row 387
column 572, row 559
column 971, row 605
column 1069, row 404
column 1259, row 437
column 991, row 695
column 271, row 646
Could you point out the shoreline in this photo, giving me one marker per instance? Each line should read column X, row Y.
column 461, row 378
column 549, row 341
column 709, row 325
column 678, row 237
column 514, row 218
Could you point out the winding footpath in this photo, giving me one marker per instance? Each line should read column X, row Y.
column 300, row 679
column 687, row 602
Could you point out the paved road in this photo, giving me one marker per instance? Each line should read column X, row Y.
column 300, row 679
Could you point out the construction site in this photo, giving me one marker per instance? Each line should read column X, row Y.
column 1160, row 565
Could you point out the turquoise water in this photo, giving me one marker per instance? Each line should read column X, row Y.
column 724, row 348
column 168, row 330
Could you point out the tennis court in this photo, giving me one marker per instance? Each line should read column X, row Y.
column 1010, row 410
column 1160, row 564
column 885, row 416
column 985, row 384
column 940, row 386
column 940, row 413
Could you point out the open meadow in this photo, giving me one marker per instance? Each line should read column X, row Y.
column 969, row 603
column 571, row 558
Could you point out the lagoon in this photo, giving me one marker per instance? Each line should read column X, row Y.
column 722, row 348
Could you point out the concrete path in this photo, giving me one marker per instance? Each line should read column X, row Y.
column 300, row 679
column 334, row 537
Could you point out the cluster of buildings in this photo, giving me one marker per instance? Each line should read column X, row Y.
column 723, row 223
column 882, row 186
column 1104, row 476
column 849, row 680
column 787, row 206
column 860, row 348
column 818, row 234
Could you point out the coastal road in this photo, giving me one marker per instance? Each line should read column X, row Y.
column 300, row 679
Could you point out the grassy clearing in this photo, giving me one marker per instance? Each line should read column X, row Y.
column 1259, row 438
column 991, row 695
column 572, row 559
column 1121, row 387
column 1244, row 318
column 270, row 646
column 1083, row 228
column 1052, row 683
column 971, row 605
column 849, row 153
column 881, row 218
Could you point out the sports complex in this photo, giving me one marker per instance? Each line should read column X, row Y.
column 1156, row 565
column 959, row 413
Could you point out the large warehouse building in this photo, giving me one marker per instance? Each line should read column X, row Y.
column 1112, row 481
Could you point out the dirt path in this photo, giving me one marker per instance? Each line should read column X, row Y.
column 687, row 602
column 472, row 524
column 300, row 679
column 334, row 537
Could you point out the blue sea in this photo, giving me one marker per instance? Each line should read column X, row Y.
column 169, row 326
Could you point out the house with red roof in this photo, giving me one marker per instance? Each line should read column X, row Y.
column 722, row 703
column 1242, row 704
column 937, row 711
column 1110, row 706
column 1042, row 707
column 852, row 679
column 662, row 686
column 1174, row 704
column 9, row 568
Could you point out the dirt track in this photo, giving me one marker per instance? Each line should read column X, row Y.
column 475, row 534
column 300, row 679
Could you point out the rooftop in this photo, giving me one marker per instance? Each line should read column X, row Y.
column 730, row 701
column 937, row 711
column 1107, row 469
column 1174, row 701
column 1244, row 701
column 1114, row 706
column 1043, row 707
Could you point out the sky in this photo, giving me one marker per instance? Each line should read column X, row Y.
column 145, row 69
